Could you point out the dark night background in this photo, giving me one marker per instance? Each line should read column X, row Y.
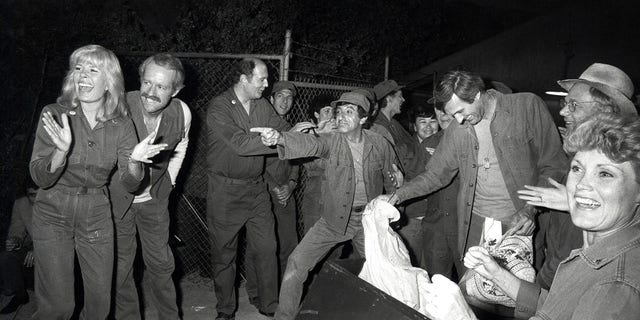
column 38, row 36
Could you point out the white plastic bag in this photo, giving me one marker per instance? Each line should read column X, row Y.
column 388, row 266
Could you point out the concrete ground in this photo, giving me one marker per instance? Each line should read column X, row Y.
column 198, row 303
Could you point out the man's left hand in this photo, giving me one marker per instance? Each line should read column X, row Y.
column 284, row 192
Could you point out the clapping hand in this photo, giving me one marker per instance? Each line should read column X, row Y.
column 145, row 150
column 60, row 135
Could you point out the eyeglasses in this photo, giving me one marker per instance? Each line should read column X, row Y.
column 573, row 105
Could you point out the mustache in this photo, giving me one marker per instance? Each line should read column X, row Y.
column 150, row 97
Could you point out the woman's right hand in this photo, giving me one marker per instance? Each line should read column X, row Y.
column 479, row 259
column 552, row 198
column 60, row 135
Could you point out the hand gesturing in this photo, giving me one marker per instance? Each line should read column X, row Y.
column 60, row 135
column 145, row 150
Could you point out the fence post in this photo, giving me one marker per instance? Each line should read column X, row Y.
column 284, row 66
column 386, row 67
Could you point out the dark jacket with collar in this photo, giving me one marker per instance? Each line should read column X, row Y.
column 527, row 145
column 339, row 183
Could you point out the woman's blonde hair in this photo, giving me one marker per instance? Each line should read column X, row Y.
column 104, row 59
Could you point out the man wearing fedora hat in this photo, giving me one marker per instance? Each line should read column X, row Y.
column 601, row 88
column 357, row 167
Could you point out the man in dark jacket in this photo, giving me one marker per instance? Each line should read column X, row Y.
column 237, row 195
column 439, row 225
column 498, row 144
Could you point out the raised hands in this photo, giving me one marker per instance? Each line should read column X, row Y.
column 145, row 150
column 60, row 135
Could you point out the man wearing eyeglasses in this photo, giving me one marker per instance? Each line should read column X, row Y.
column 601, row 88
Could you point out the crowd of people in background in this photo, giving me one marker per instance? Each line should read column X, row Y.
column 477, row 168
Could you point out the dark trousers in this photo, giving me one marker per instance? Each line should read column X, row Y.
column 287, row 237
column 229, row 208
column 14, row 272
column 411, row 233
column 440, row 252
column 313, row 247
column 63, row 225
column 151, row 219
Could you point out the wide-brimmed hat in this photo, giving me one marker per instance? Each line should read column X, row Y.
column 611, row 81
column 385, row 87
column 353, row 98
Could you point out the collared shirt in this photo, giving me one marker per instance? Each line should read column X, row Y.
column 527, row 144
column 338, row 185
column 234, row 152
column 94, row 155
column 601, row 281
